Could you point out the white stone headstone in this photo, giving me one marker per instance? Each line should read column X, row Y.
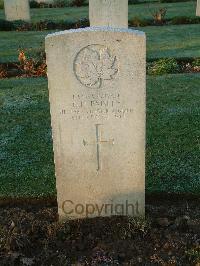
column 17, row 10
column 198, row 8
column 97, row 85
column 111, row 13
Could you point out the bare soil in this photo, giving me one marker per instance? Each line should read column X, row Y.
column 31, row 235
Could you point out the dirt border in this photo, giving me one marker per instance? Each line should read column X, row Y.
column 52, row 200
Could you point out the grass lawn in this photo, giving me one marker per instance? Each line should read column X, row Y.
column 173, row 41
column 173, row 133
column 140, row 10
column 26, row 151
column 166, row 41
column 173, row 115
column 30, row 41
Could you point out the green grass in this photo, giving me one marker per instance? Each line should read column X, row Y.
column 87, row 1
column 173, row 9
column 30, row 41
column 173, row 41
column 140, row 10
column 167, row 41
column 26, row 148
column 173, row 134
column 173, row 144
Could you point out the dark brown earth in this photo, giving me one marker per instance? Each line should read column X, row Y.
column 31, row 235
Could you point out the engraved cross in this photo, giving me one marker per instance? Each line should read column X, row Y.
column 99, row 141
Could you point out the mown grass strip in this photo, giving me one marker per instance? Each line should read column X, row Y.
column 169, row 41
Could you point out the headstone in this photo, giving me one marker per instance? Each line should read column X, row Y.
column 111, row 13
column 198, row 8
column 97, row 96
column 17, row 10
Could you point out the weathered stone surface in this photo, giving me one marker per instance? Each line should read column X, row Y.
column 97, row 95
column 198, row 8
column 17, row 10
column 111, row 13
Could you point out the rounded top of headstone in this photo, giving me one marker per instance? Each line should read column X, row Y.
column 96, row 29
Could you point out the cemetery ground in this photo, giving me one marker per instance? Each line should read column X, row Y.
column 172, row 147
column 29, row 231
column 140, row 11
column 178, row 41
column 31, row 235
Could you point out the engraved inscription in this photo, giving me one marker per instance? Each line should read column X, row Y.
column 96, row 107
column 93, row 64
column 98, row 143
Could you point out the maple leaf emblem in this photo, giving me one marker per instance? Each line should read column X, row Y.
column 95, row 64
